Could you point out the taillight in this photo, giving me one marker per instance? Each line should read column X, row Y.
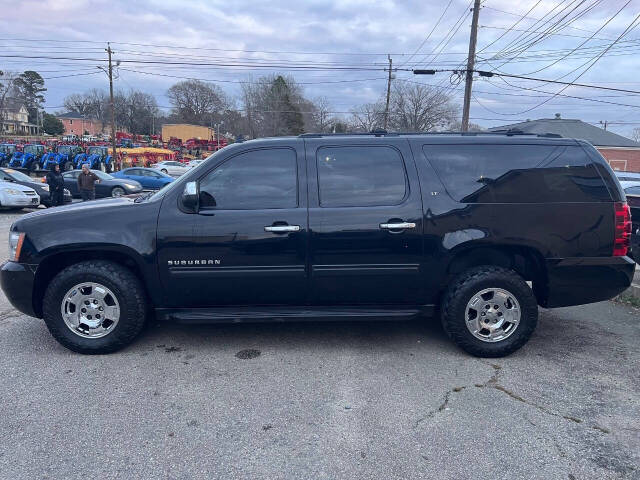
column 622, row 229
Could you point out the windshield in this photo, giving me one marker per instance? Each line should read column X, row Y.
column 7, row 148
column 101, row 175
column 19, row 176
column 64, row 149
column 95, row 151
column 31, row 149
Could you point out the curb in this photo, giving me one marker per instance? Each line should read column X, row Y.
column 632, row 291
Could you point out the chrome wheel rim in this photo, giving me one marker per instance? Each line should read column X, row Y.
column 117, row 192
column 492, row 315
column 90, row 310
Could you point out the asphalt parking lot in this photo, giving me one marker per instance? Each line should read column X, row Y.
column 323, row 401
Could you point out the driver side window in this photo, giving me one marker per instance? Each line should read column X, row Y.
column 254, row 180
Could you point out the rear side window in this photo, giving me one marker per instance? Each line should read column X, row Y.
column 517, row 173
column 360, row 176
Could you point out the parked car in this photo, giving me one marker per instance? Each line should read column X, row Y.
column 171, row 167
column 627, row 176
column 42, row 189
column 13, row 195
column 380, row 226
column 108, row 186
column 633, row 198
column 195, row 163
column 149, row 178
column 626, row 184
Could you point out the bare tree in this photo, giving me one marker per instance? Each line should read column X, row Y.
column 456, row 126
column 420, row 108
column 138, row 111
column 197, row 102
column 635, row 134
column 321, row 117
column 92, row 104
column 7, row 91
column 367, row 117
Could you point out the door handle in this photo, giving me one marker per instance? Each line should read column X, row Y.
column 397, row 226
column 282, row 228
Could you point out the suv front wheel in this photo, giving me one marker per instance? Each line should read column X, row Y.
column 95, row 307
column 489, row 311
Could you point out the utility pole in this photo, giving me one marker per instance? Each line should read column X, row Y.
column 604, row 124
column 114, row 157
column 386, row 110
column 470, row 64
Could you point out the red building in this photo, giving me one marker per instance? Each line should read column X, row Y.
column 626, row 159
column 622, row 153
column 77, row 124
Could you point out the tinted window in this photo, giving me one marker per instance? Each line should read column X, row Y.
column 632, row 191
column 360, row 176
column 253, row 180
column 517, row 173
column 72, row 174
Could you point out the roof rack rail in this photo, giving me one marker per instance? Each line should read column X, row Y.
column 383, row 133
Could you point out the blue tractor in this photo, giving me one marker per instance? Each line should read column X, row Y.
column 6, row 152
column 29, row 158
column 98, row 158
column 63, row 156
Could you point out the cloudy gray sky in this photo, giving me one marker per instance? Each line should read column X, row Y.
column 338, row 49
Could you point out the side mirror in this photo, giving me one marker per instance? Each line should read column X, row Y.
column 189, row 198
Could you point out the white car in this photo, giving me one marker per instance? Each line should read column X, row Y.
column 173, row 168
column 194, row 163
column 14, row 195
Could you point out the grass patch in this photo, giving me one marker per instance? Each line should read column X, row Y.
column 628, row 300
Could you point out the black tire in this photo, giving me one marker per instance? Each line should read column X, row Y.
column 470, row 283
column 125, row 286
column 118, row 191
column 164, row 170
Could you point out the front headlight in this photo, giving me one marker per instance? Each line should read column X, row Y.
column 15, row 245
column 131, row 187
column 45, row 188
column 11, row 191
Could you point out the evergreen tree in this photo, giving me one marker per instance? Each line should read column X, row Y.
column 30, row 89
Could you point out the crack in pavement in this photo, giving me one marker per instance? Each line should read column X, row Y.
column 12, row 312
column 493, row 383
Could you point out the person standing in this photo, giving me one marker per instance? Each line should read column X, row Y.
column 56, row 186
column 87, row 183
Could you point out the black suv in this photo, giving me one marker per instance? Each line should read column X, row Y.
column 479, row 228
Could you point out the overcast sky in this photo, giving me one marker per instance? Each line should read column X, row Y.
column 335, row 34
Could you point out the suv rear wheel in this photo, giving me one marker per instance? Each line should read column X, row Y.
column 94, row 307
column 489, row 311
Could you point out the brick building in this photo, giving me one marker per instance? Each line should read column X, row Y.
column 77, row 124
column 621, row 152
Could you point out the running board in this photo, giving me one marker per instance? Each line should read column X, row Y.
column 285, row 314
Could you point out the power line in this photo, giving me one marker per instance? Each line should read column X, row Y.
column 593, row 62
column 246, row 81
column 447, row 38
column 583, row 43
column 533, row 18
column 429, row 35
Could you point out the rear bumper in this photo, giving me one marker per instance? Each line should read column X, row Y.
column 17, row 281
column 580, row 280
